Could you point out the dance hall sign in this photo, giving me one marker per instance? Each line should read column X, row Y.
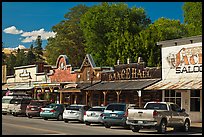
column 184, row 60
column 132, row 72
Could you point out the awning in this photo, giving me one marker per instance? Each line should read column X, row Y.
column 44, row 85
column 17, row 86
column 122, row 85
column 69, row 90
column 75, row 87
column 176, row 84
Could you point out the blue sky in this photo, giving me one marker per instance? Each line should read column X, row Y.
column 23, row 21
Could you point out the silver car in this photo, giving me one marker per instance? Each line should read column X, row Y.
column 75, row 112
column 93, row 115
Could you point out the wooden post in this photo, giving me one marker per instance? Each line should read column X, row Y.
column 87, row 97
column 61, row 98
column 118, row 96
column 139, row 95
column 104, row 97
column 75, row 99
column 99, row 98
column 90, row 98
column 35, row 93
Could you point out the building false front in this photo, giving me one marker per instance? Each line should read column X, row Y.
column 182, row 74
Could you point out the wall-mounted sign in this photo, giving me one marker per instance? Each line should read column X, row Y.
column 186, row 60
column 131, row 72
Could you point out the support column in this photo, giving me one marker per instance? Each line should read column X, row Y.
column 104, row 97
column 87, row 97
column 61, row 97
column 99, row 99
column 118, row 96
column 140, row 100
column 35, row 93
column 90, row 98
column 75, row 99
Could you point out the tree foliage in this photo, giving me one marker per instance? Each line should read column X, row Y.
column 11, row 63
column 193, row 17
column 109, row 31
column 161, row 30
column 3, row 55
column 69, row 38
column 38, row 50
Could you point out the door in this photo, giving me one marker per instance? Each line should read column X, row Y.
column 176, row 117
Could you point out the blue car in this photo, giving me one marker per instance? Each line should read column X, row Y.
column 115, row 115
column 52, row 111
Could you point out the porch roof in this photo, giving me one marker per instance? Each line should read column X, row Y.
column 122, row 85
column 177, row 84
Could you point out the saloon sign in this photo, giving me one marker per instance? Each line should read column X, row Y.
column 186, row 60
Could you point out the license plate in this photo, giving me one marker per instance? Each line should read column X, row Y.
column 32, row 108
column 140, row 122
column 114, row 115
column 47, row 111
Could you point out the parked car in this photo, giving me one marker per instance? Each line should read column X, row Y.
column 158, row 115
column 93, row 115
column 6, row 104
column 33, row 109
column 75, row 112
column 115, row 114
column 18, row 105
column 7, row 99
column 52, row 111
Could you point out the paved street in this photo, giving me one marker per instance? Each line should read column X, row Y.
column 36, row 126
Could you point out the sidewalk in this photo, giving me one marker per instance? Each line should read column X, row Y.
column 196, row 125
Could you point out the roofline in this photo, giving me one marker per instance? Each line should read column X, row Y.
column 180, row 41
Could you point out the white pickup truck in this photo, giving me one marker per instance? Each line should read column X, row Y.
column 158, row 115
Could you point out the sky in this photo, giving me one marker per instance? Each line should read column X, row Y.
column 22, row 22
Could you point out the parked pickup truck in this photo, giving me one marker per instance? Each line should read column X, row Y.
column 158, row 115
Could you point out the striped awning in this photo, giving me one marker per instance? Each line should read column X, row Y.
column 176, row 84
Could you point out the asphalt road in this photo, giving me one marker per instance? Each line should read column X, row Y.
column 36, row 126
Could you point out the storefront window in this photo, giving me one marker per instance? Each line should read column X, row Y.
column 195, row 100
column 173, row 96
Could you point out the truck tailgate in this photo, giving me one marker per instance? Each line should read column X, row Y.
column 140, row 114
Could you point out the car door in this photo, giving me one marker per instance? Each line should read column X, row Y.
column 175, row 117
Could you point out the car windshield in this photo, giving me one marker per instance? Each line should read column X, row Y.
column 36, row 103
column 73, row 108
column 15, row 101
column 96, row 109
column 116, row 107
column 157, row 106
column 7, row 100
column 51, row 106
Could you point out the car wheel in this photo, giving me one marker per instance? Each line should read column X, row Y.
column 45, row 118
column 162, row 127
column 186, row 126
column 66, row 121
column 60, row 118
column 134, row 128
column 107, row 125
column 29, row 116
column 87, row 123
column 14, row 114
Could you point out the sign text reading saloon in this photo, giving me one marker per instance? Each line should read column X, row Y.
column 189, row 60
